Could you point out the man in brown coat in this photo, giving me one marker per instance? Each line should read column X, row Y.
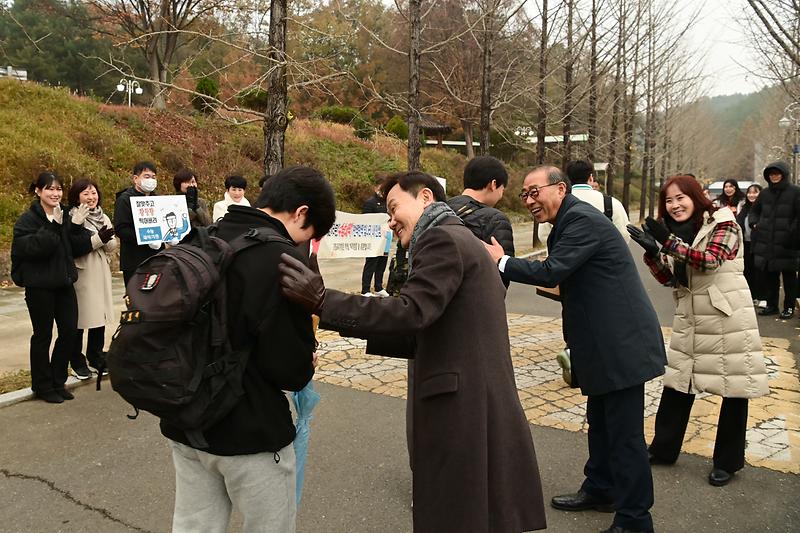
column 474, row 465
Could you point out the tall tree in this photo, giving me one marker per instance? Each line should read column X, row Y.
column 780, row 52
column 541, row 126
column 414, row 53
column 275, row 116
column 158, row 28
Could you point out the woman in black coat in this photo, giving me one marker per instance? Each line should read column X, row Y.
column 742, row 218
column 45, row 241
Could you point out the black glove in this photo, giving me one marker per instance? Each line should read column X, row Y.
column 645, row 240
column 105, row 233
column 191, row 198
column 301, row 284
column 657, row 229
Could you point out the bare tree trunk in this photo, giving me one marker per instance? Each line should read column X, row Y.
column 275, row 120
column 414, row 146
column 486, row 82
column 620, row 62
column 569, row 67
column 467, row 127
column 541, row 128
column 647, row 178
column 630, row 114
column 591, row 145
column 159, row 102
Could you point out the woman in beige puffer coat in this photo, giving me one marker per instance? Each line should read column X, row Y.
column 715, row 345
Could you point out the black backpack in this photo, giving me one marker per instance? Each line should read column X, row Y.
column 171, row 355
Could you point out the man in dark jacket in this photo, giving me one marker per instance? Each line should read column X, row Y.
column 615, row 341
column 485, row 180
column 775, row 219
column 374, row 266
column 130, row 252
column 474, row 465
column 250, row 461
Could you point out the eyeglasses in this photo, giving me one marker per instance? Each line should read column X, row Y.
column 533, row 192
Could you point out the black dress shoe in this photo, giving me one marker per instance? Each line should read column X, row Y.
column 618, row 529
column 769, row 310
column 581, row 501
column 719, row 478
column 50, row 396
column 786, row 314
column 65, row 394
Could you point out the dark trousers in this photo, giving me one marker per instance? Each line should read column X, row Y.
column 772, row 287
column 673, row 416
column 752, row 274
column 618, row 469
column 44, row 307
column 127, row 275
column 94, row 348
column 373, row 266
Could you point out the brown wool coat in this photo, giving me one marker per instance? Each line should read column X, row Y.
column 474, row 465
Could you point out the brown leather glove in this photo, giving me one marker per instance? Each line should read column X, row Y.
column 105, row 233
column 301, row 284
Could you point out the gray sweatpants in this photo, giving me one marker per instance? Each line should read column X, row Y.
column 206, row 487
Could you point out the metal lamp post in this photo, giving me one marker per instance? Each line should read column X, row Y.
column 130, row 87
column 791, row 118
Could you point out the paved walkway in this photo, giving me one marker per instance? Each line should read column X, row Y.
column 773, row 440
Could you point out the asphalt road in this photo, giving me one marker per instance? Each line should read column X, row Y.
column 83, row 466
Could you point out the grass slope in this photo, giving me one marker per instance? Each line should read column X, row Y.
column 48, row 129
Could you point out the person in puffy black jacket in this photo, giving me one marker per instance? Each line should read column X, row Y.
column 45, row 241
column 250, row 461
column 775, row 220
column 485, row 180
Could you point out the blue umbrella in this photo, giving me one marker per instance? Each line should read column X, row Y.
column 304, row 403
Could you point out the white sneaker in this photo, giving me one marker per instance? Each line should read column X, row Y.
column 382, row 293
column 762, row 303
column 367, row 294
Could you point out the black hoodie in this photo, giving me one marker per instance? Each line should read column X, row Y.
column 283, row 343
column 775, row 219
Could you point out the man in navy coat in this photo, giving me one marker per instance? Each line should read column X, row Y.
column 615, row 340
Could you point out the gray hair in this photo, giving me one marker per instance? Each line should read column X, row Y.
column 554, row 175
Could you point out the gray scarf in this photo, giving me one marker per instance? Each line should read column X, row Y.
column 95, row 218
column 432, row 216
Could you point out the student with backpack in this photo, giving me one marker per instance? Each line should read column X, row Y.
column 250, row 461
column 485, row 181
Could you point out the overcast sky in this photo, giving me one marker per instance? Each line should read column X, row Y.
column 719, row 35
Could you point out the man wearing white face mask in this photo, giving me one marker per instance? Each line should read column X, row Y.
column 131, row 253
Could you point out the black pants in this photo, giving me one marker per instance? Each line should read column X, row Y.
column 618, row 469
column 752, row 274
column 772, row 287
column 94, row 348
column 373, row 266
column 127, row 275
column 45, row 306
column 673, row 416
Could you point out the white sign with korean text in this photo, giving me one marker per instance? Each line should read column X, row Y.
column 353, row 235
column 160, row 218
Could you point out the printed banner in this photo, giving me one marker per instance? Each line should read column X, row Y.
column 160, row 218
column 352, row 235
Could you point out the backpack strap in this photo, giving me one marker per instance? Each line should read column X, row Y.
column 256, row 236
column 467, row 209
column 608, row 208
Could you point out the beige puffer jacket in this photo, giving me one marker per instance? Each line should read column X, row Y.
column 715, row 345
